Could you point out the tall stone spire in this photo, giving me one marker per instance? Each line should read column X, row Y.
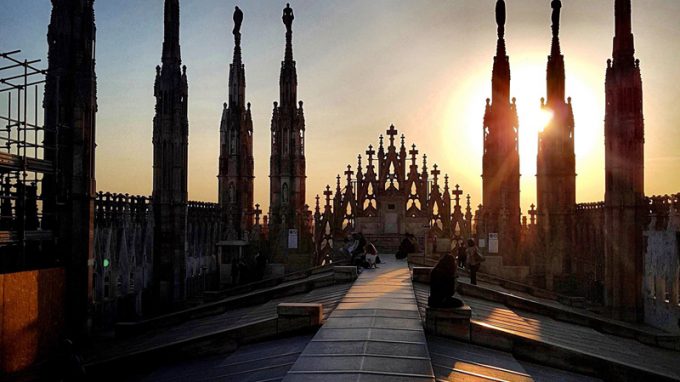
column 556, row 170
column 236, row 163
column 555, row 73
column 237, row 73
column 170, row 161
column 624, row 174
column 288, row 79
column 500, row 178
column 624, row 45
column 70, row 101
column 171, row 50
column 500, row 82
column 288, row 165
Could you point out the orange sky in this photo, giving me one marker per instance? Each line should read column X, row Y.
column 424, row 66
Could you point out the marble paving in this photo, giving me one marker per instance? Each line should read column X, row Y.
column 374, row 334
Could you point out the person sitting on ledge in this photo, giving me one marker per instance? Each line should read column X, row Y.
column 443, row 284
column 406, row 246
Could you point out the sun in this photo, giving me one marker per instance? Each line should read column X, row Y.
column 534, row 120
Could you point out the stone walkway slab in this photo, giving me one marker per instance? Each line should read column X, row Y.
column 374, row 334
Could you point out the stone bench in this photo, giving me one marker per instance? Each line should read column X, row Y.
column 345, row 273
column 294, row 316
column 449, row 322
column 421, row 274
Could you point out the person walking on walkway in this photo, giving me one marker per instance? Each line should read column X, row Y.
column 461, row 254
column 474, row 260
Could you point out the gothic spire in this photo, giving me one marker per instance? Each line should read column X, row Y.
column 237, row 76
column 624, row 46
column 171, row 51
column 288, row 79
column 500, row 81
column 555, row 73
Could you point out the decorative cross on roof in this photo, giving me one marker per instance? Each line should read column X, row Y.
column 403, row 140
column 392, row 132
column 370, row 152
column 328, row 193
column 381, row 141
column 533, row 214
column 349, row 174
column 425, row 164
column 413, row 152
column 435, row 172
column 338, row 183
column 457, row 193
column 317, row 203
column 257, row 213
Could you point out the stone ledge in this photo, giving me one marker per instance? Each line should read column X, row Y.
column 421, row 274
column 345, row 273
column 449, row 322
column 601, row 324
column 561, row 357
column 128, row 329
column 419, row 259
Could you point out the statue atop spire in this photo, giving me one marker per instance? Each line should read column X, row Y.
column 288, row 78
column 556, row 8
column 500, row 18
column 288, row 17
column 556, row 74
column 238, row 19
column 501, row 66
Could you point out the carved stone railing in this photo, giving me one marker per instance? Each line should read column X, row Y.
column 662, row 263
column 123, row 253
column 589, row 240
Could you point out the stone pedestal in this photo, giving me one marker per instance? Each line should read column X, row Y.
column 345, row 273
column 449, row 322
column 421, row 274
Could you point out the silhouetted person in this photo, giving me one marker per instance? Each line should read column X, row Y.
column 474, row 260
column 443, row 284
column 406, row 246
column 461, row 254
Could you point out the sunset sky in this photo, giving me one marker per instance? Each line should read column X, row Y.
column 423, row 65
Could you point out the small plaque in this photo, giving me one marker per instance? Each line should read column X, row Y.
column 292, row 239
column 493, row 243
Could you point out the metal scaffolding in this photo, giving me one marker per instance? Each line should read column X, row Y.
column 22, row 163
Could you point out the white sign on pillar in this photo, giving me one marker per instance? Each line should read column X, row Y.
column 292, row 239
column 493, row 243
